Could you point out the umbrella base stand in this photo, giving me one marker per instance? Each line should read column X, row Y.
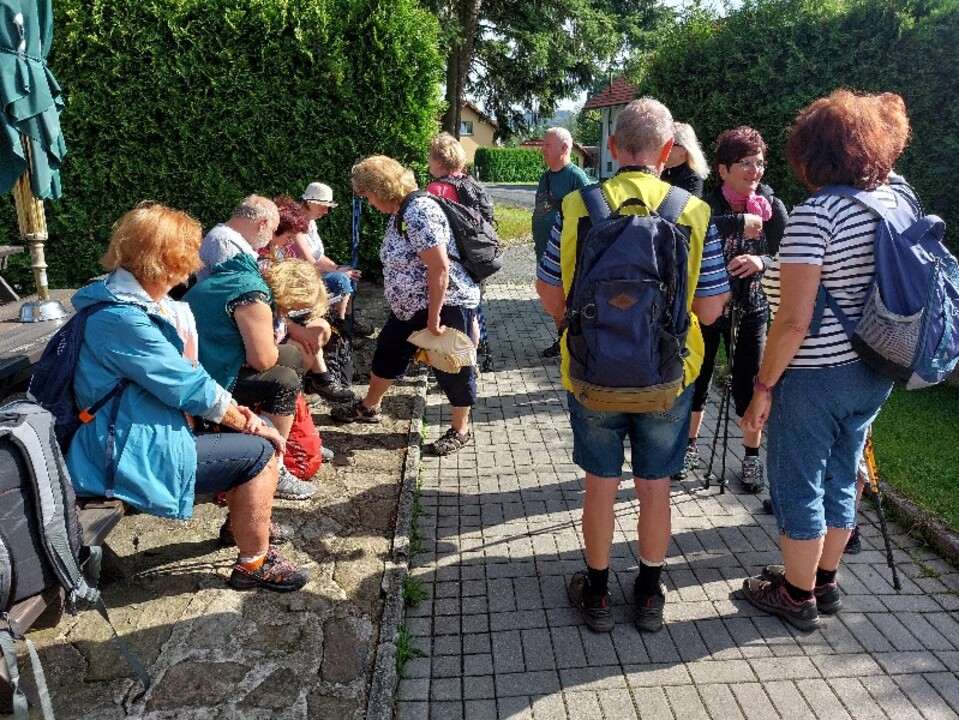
column 42, row 311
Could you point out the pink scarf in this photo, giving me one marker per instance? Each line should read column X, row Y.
column 755, row 204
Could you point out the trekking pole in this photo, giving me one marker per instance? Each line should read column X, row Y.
column 723, row 417
column 355, row 251
column 872, row 475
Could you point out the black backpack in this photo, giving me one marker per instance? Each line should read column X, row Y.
column 472, row 195
column 476, row 240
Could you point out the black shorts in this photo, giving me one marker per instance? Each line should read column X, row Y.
column 275, row 390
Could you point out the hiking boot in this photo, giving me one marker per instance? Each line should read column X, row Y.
column 828, row 599
column 356, row 412
column 279, row 534
column 753, row 475
column 552, row 351
column 770, row 596
column 274, row 574
column 649, row 610
column 596, row 610
column 290, row 487
column 362, row 330
column 451, row 442
column 332, row 390
column 854, row 544
column 691, row 461
column 326, row 454
column 768, row 506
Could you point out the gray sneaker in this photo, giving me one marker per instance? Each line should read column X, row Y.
column 691, row 461
column 326, row 453
column 290, row 487
column 754, row 476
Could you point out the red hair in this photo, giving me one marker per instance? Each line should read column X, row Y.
column 292, row 216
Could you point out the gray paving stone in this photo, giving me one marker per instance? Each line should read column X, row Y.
column 652, row 703
column 822, row 699
column 856, row 699
column 787, row 699
column 480, row 710
column 507, row 653
column 413, row 711
column 414, row 689
column 479, row 688
column 537, row 649
column 582, row 705
column 784, row 668
column 899, row 663
column 753, row 700
column 477, row 665
column 617, row 704
column 720, row 671
column 686, row 702
column 925, row 697
column 514, row 708
column 720, row 701
column 511, row 684
column 594, row 678
column 443, row 710
column 639, row 676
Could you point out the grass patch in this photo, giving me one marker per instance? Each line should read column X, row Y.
column 413, row 591
column 513, row 224
column 916, row 438
column 406, row 650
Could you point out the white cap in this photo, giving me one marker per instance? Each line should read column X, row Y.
column 317, row 192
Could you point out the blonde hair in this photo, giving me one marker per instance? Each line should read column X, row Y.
column 685, row 137
column 296, row 285
column 155, row 244
column 448, row 152
column 384, row 177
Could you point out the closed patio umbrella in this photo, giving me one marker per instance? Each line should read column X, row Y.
column 31, row 144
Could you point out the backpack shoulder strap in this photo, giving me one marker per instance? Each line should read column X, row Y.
column 597, row 205
column 866, row 199
column 673, row 205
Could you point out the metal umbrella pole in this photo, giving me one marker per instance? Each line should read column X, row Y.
column 32, row 221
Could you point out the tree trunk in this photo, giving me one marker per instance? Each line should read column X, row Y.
column 459, row 60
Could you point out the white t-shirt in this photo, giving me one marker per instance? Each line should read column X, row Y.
column 219, row 245
column 838, row 234
column 316, row 242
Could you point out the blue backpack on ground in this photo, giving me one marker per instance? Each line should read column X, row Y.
column 626, row 307
column 909, row 330
column 51, row 385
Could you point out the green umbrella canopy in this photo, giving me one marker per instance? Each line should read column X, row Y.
column 30, row 98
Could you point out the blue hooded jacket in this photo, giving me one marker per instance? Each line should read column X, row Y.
column 155, row 451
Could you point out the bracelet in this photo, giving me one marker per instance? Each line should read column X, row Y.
column 762, row 388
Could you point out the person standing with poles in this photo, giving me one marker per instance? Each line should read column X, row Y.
column 750, row 220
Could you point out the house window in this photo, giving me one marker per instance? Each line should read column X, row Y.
column 466, row 128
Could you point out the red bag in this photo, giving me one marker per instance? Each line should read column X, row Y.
column 303, row 457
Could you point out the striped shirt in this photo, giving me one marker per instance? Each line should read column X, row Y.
column 713, row 279
column 838, row 234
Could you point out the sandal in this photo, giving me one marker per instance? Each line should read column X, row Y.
column 451, row 442
column 356, row 412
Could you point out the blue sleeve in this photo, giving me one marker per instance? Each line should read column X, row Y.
column 713, row 279
column 549, row 269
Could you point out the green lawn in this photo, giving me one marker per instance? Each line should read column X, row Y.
column 917, row 448
column 513, row 224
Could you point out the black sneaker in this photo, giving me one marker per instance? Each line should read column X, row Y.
column 552, row 351
column 854, row 544
column 649, row 610
column 770, row 596
column 279, row 534
column 828, row 599
column 596, row 611
column 274, row 574
column 768, row 506
column 332, row 390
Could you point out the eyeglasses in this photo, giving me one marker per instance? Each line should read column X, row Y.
column 752, row 165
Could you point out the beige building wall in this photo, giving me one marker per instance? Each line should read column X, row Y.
column 482, row 133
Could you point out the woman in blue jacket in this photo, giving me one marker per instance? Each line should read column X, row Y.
column 152, row 457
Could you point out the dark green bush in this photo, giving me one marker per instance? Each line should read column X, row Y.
column 760, row 65
column 509, row 164
column 197, row 103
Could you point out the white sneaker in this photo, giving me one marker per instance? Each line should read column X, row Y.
column 290, row 487
column 326, row 453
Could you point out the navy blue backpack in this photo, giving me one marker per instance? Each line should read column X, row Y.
column 909, row 330
column 626, row 307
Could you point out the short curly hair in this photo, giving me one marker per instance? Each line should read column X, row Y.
column 296, row 285
column 848, row 138
column 292, row 216
column 736, row 143
column 448, row 152
column 156, row 244
column 383, row 177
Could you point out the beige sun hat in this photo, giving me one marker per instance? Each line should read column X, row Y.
column 449, row 352
column 317, row 192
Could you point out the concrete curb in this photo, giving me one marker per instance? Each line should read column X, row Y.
column 915, row 520
column 385, row 680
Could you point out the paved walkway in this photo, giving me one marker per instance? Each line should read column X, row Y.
column 500, row 541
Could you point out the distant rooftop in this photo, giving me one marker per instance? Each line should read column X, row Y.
column 618, row 92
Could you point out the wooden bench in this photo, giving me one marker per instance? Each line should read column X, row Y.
column 98, row 517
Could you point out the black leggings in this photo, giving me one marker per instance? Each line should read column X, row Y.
column 750, row 343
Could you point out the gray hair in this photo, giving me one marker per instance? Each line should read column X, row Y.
column 255, row 208
column 645, row 125
column 562, row 134
column 685, row 137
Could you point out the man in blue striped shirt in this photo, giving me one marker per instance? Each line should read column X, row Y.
column 641, row 144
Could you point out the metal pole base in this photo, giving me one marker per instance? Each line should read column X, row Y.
column 714, row 479
column 41, row 311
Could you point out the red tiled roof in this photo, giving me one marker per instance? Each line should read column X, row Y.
column 483, row 116
column 618, row 92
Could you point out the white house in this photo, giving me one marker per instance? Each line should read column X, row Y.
column 609, row 101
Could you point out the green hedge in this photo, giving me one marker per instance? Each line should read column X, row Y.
column 197, row 103
column 761, row 64
column 509, row 164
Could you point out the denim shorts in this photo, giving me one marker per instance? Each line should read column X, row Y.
column 338, row 284
column 657, row 440
column 226, row 460
column 817, row 429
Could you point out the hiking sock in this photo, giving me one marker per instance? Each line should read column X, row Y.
column 252, row 563
column 691, row 442
column 751, row 451
column 324, row 378
column 797, row 595
column 648, row 581
column 597, row 581
column 824, row 577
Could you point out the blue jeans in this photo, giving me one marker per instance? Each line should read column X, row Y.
column 657, row 440
column 817, row 429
